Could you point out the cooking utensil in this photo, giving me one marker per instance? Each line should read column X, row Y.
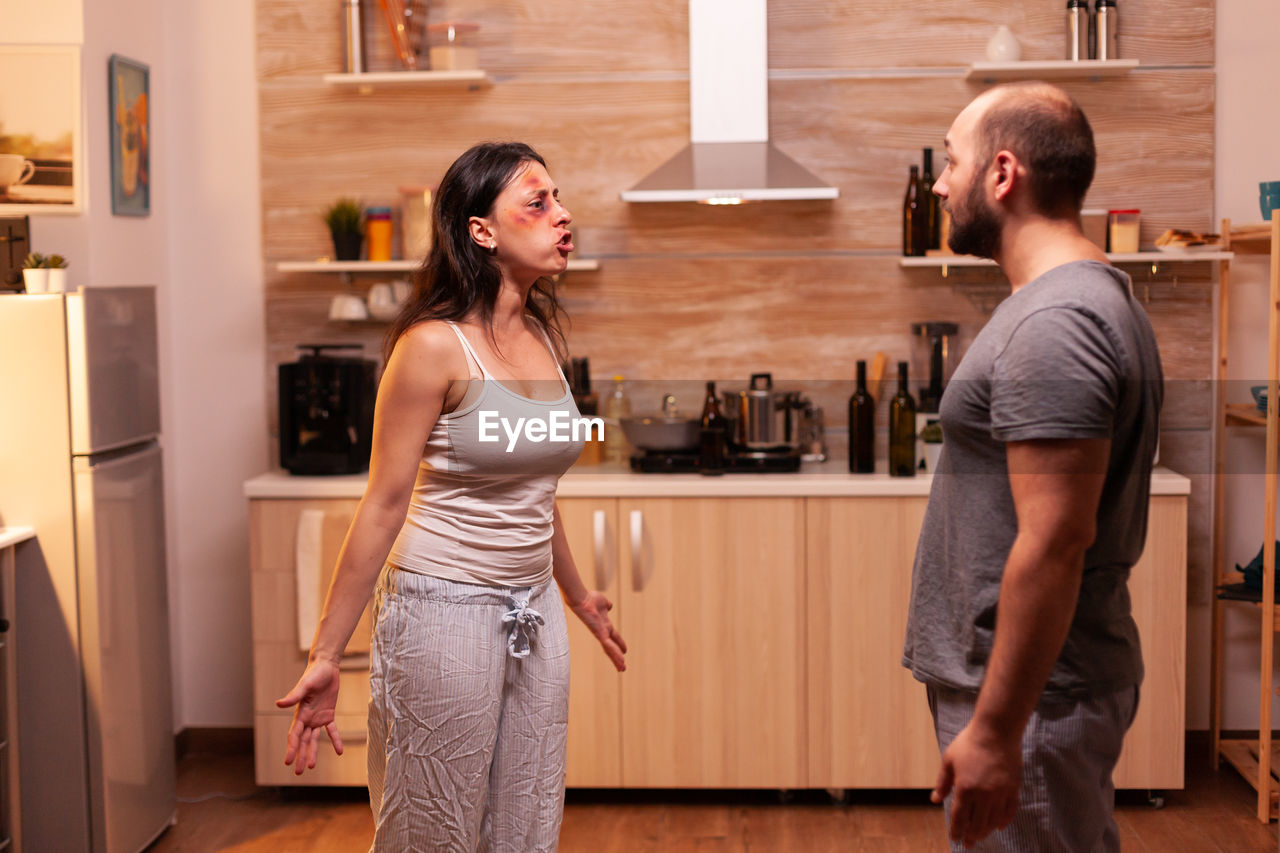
column 662, row 433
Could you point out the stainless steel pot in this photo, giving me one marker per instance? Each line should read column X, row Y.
column 764, row 419
column 667, row 431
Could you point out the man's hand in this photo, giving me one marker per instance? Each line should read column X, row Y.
column 983, row 772
column 594, row 613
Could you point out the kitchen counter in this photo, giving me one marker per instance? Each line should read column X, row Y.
column 10, row 536
column 817, row 479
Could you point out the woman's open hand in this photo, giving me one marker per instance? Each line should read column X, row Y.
column 594, row 613
column 316, row 695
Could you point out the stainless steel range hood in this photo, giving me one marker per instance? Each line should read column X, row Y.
column 730, row 159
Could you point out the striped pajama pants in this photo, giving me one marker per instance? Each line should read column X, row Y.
column 1069, row 750
column 468, row 716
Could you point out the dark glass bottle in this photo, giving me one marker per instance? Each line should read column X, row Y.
column 911, row 215
column 862, row 426
column 930, row 204
column 715, row 434
column 902, row 429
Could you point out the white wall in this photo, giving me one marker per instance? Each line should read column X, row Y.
column 1247, row 130
column 201, row 245
column 217, row 351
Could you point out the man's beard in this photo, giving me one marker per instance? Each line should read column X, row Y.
column 975, row 226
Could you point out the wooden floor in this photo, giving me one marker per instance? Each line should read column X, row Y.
column 1215, row 813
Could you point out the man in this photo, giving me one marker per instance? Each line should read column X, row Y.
column 1020, row 625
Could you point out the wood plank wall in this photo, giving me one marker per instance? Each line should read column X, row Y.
column 686, row 292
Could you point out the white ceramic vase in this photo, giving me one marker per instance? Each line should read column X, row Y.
column 36, row 280
column 1003, row 46
column 57, row 280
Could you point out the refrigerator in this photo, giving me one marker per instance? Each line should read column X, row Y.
column 80, row 461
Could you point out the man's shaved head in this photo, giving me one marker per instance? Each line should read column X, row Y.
column 1047, row 131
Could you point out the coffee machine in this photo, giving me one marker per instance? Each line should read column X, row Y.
column 326, row 411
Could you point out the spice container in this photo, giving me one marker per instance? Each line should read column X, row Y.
column 377, row 233
column 1077, row 29
column 451, row 48
column 1123, row 230
column 415, row 221
column 1106, row 26
column 1093, row 222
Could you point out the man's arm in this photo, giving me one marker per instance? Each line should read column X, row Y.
column 1056, row 486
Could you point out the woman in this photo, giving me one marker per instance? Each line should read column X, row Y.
column 469, row 670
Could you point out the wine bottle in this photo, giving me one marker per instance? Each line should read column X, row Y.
column 902, row 429
column 930, row 204
column 862, row 426
column 715, row 435
column 911, row 215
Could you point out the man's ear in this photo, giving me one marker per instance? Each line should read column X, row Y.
column 481, row 231
column 1006, row 172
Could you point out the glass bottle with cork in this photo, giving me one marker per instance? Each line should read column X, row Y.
column 862, row 426
column 715, row 435
column 902, row 429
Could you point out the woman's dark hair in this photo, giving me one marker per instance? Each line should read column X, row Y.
column 458, row 276
column 1046, row 128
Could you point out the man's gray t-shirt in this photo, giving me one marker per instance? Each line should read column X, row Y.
column 1071, row 355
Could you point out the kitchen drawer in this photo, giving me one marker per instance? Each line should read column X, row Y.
column 271, row 734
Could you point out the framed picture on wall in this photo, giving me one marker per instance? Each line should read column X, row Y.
column 41, row 160
column 130, row 119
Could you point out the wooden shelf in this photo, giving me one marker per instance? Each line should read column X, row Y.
column 575, row 265
column 1057, row 69
column 1243, row 414
column 1115, row 258
column 369, row 80
column 1251, row 239
column 1243, row 756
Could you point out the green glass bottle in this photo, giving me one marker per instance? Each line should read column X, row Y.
column 902, row 429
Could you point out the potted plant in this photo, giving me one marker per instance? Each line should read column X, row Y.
column 343, row 218
column 44, row 273
column 35, row 273
column 931, row 437
column 57, row 266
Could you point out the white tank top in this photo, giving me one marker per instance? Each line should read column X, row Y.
column 482, row 510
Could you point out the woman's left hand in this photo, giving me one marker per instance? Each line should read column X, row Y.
column 594, row 613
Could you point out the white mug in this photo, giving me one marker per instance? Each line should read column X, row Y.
column 382, row 303
column 347, row 306
column 402, row 290
column 15, row 169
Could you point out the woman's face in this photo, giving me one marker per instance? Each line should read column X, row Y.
column 528, row 225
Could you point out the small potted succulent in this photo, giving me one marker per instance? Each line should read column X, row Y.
column 44, row 273
column 931, row 437
column 343, row 218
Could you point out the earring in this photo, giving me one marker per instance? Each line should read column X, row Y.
column 493, row 248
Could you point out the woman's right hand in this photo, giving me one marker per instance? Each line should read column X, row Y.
column 316, row 695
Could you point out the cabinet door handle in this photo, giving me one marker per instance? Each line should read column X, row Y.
column 637, row 549
column 598, row 537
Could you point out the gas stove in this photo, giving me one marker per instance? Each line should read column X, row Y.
column 784, row 461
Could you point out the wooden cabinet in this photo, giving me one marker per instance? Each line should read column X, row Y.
column 294, row 546
column 1154, row 748
column 595, row 743
column 870, row 725
column 765, row 641
column 713, row 604
column 10, row 802
column 860, row 552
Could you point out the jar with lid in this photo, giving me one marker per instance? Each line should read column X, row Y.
column 415, row 221
column 1123, row 231
column 377, row 233
column 451, row 47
